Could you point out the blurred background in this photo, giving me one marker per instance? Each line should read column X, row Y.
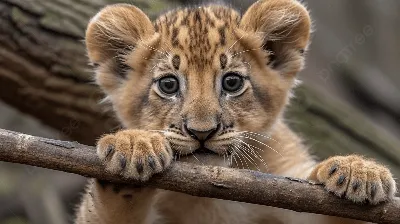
column 349, row 101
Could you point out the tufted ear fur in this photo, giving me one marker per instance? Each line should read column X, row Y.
column 114, row 29
column 284, row 28
column 111, row 35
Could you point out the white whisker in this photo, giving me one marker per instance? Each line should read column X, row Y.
column 150, row 47
column 234, row 156
column 197, row 159
column 248, row 156
column 252, row 148
column 258, row 134
column 234, row 44
column 239, row 156
column 262, row 143
column 248, row 50
column 242, row 153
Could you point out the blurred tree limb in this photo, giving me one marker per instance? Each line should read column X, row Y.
column 203, row 181
column 31, row 198
column 43, row 64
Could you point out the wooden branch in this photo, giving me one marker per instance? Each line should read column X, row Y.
column 44, row 73
column 203, row 181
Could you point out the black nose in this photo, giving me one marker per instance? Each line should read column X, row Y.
column 202, row 135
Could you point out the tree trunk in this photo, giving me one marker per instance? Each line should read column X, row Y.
column 43, row 65
column 44, row 73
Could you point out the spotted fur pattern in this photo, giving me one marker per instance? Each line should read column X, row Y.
column 199, row 48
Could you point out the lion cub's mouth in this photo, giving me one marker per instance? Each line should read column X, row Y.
column 204, row 150
column 215, row 151
column 204, row 156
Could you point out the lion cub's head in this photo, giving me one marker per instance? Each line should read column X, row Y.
column 204, row 76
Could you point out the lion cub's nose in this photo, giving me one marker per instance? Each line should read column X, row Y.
column 202, row 135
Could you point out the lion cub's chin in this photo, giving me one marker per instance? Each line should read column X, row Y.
column 202, row 158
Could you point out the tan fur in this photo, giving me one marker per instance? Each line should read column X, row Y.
column 199, row 47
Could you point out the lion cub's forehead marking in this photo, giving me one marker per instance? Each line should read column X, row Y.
column 198, row 34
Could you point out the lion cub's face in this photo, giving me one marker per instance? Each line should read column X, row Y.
column 203, row 76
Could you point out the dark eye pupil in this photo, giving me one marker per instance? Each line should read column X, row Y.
column 232, row 83
column 169, row 85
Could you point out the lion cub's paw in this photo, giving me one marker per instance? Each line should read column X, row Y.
column 135, row 154
column 356, row 179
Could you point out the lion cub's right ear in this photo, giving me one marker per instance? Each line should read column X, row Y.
column 111, row 36
column 114, row 30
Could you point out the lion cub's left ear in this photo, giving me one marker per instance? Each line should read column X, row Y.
column 284, row 27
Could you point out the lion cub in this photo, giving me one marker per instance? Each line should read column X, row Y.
column 208, row 86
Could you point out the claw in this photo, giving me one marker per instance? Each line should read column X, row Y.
column 162, row 160
column 122, row 161
column 341, row 180
column 139, row 167
column 110, row 149
column 333, row 170
column 152, row 163
column 356, row 185
column 373, row 190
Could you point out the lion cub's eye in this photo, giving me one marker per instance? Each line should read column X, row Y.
column 232, row 82
column 168, row 85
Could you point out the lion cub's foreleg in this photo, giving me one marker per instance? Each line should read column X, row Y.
column 132, row 154
column 351, row 177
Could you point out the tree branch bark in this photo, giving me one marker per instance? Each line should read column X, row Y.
column 203, row 181
column 44, row 73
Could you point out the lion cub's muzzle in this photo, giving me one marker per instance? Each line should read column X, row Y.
column 202, row 135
